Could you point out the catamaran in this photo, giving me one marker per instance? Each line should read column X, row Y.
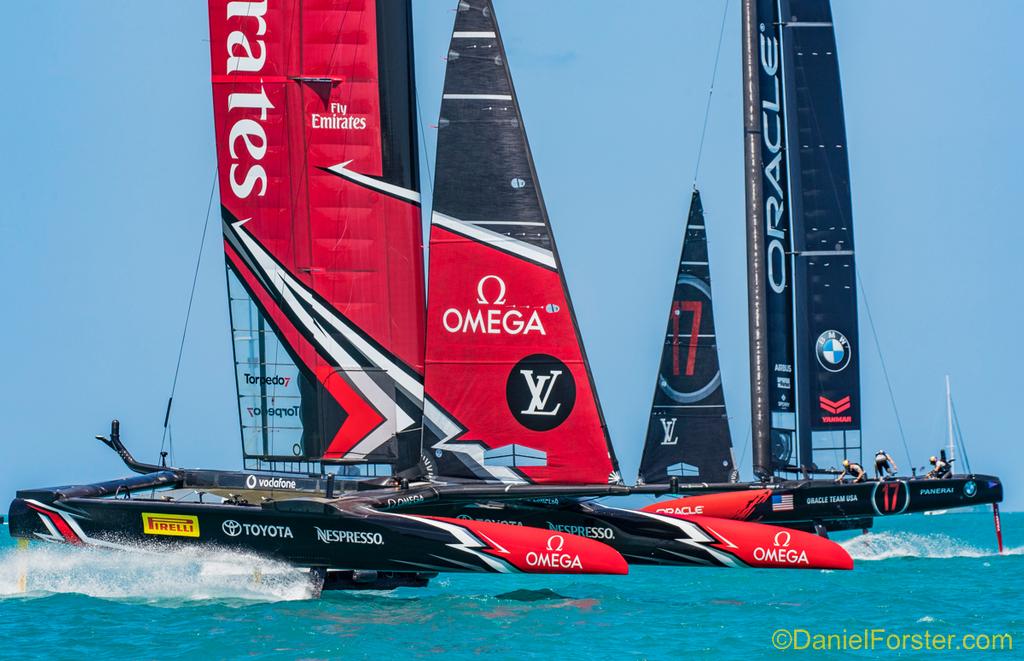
column 802, row 286
column 383, row 441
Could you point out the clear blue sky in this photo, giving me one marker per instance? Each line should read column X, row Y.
column 108, row 158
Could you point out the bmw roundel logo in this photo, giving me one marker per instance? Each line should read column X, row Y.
column 231, row 528
column 833, row 351
column 970, row 488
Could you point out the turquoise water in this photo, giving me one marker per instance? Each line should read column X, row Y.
column 913, row 574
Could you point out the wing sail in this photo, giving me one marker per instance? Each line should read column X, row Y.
column 316, row 144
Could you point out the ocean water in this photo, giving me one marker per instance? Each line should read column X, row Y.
column 913, row 574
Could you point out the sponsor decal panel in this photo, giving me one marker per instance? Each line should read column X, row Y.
column 348, row 537
column 173, row 525
column 540, row 392
column 405, row 500
column 553, row 557
column 233, row 528
column 254, row 481
column 467, row 517
column 834, row 409
column 494, row 315
column 781, row 552
column 681, row 509
column 273, row 411
column 838, row 498
column 272, row 380
column 936, row 491
column 833, row 351
column 971, row 488
column 593, row 532
column 668, row 425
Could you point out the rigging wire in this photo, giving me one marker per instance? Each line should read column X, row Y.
column 885, row 371
column 711, row 90
column 166, row 438
column 961, row 441
column 423, row 140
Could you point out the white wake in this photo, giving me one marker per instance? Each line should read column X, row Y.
column 175, row 575
column 888, row 545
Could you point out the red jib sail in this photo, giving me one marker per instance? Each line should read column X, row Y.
column 509, row 394
column 316, row 143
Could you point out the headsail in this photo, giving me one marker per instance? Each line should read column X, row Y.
column 316, row 141
column 803, row 284
column 510, row 395
column 688, row 432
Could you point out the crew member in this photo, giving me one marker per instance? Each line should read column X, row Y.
column 884, row 465
column 854, row 469
column 940, row 469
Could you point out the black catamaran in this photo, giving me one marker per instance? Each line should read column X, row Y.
column 804, row 362
column 476, row 451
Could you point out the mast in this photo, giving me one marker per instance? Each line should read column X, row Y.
column 949, row 419
column 757, row 319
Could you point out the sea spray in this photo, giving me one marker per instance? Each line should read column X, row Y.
column 889, row 545
column 178, row 575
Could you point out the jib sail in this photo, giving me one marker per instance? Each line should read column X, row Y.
column 804, row 365
column 316, row 144
column 510, row 395
column 688, row 432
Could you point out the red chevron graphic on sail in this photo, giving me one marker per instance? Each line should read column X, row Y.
column 837, row 406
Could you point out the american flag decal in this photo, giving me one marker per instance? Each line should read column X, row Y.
column 782, row 502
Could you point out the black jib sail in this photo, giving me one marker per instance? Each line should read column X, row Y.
column 805, row 381
column 688, row 433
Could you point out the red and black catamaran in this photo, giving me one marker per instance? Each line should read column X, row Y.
column 384, row 441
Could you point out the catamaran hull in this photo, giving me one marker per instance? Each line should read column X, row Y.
column 312, row 533
column 808, row 504
column 644, row 538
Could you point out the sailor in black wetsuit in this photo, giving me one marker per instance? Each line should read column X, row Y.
column 941, row 469
column 854, row 469
column 884, row 465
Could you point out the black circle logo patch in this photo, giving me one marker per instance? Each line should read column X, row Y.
column 540, row 392
column 891, row 497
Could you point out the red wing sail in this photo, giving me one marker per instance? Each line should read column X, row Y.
column 510, row 396
column 316, row 144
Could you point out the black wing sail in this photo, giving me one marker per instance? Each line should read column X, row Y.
column 824, row 277
column 688, row 433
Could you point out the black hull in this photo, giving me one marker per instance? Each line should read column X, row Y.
column 346, row 533
column 399, row 532
column 806, row 504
